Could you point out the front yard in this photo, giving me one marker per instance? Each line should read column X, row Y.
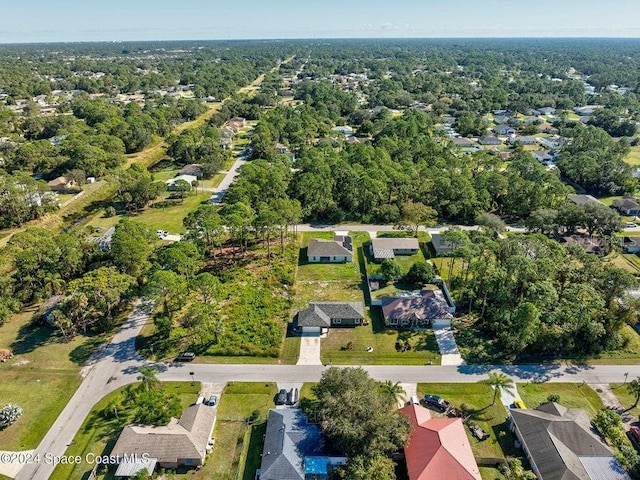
column 41, row 378
column 572, row 395
column 348, row 346
column 475, row 399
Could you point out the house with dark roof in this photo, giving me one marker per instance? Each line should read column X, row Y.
column 503, row 129
column 193, row 169
column 561, row 444
column 438, row 448
column 338, row 250
column 547, row 110
column 294, row 449
column 181, row 442
column 462, row 142
column 423, row 309
column 319, row 316
column 489, row 140
column 582, row 199
column 382, row 248
column 440, row 245
column 630, row 244
column 627, row 205
column 524, row 140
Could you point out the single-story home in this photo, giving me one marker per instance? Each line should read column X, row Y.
column 346, row 130
column 319, row 316
column 503, row 129
column 589, row 244
column 547, row 110
column 190, row 179
column 382, row 248
column 193, row 169
column 338, row 250
column 440, row 245
column 60, row 184
column 438, row 448
column 489, row 140
column 627, row 205
column 560, row 444
column 543, row 156
column 181, row 442
column 580, row 199
column 462, row 142
column 426, row 308
column 524, row 140
column 295, row 449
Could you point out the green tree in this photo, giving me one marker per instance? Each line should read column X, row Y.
column 207, row 286
column 374, row 426
column 500, row 382
column 390, row 269
column 420, row 273
column 393, row 390
column 155, row 407
column 367, row 467
column 205, row 227
column 131, row 246
column 633, row 387
column 415, row 215
column 148, row 378
column 169, row 288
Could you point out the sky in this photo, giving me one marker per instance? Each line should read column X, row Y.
column 123, row 20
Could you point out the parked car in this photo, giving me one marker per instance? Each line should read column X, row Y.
column 436, row 402
column 281, row 397
column 630, row 225
column 186, row 357
column 518, row 404
column 213, row 400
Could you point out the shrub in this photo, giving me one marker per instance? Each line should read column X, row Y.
column 9, row 414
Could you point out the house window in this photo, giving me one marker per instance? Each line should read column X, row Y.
column 357, row 321
column 337, row 321
column 393, row 321
column 334, row 259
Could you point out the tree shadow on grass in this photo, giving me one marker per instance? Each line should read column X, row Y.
column 32, row 336
column 81, row 353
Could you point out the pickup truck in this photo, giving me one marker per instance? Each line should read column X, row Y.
column 436, row 402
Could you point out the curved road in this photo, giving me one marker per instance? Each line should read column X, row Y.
column 116, row 364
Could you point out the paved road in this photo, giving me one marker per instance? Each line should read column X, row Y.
column 117, row 363
column 219, row 191
column 112, row 366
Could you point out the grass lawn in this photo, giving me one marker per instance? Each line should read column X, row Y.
column 405, row 261
column 634, row 156
column 626, row 399
column 329, row 281
column 626, row 261
column 238, row 447
column 573, row 395
column 442, row 266
column 424, row 346
column 100, row 430
column 490, row 473
column 476, row 398
column 41, row 378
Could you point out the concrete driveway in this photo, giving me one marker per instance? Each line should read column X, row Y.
column 309, row 350
column 448, row 346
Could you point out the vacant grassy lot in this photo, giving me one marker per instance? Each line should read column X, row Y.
column 41, row 378
column 238, row 446
column 335, row 347
column 99, row 432
column 573, row 395
column 475, row 398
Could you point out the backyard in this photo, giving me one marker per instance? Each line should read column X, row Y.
column 238, row 448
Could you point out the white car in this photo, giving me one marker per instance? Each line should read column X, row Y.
column 630, row 225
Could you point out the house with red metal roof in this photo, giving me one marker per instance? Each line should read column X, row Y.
column 438, row 447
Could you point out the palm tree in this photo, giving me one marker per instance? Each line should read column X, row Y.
column 393, row 391
column 633, row 387
column 500, row 382
column 148, row 377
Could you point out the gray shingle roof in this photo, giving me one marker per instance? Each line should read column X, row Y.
column 582, row 199
column 626, row 203
column 409, row 243
column 288, row 440
column 328, row 248
column 319, row 314
column 180, row 439
column 557, row 438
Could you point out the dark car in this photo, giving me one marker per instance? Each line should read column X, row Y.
column 634, row 431
column 281, row 398
column 436, row 402
column 186, row 357
column 213, row 400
